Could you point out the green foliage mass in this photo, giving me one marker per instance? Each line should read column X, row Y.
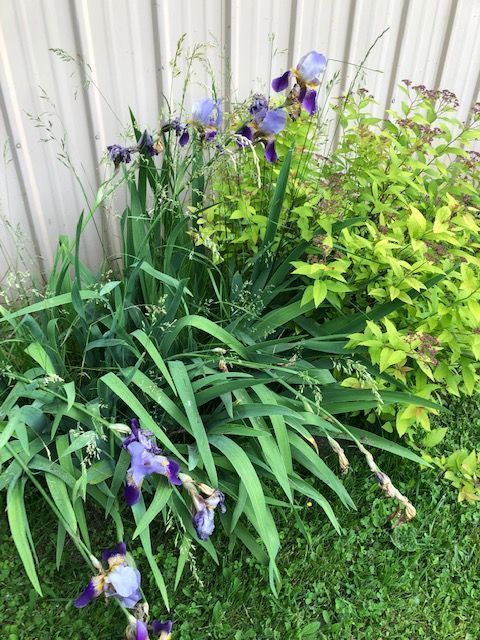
column 414, row 582
column 389, row 218
column 218, row 363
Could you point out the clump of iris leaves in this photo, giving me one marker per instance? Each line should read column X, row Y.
column 229, row 379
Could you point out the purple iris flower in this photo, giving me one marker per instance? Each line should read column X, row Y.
column 118, row 581
column 203, row 519
column 203, row 508
column 119, row 154
column 266, row 124
column 181, row 130
column 258, row 107
column 146, row 145
column 146, row 458
column 307, row 74
column 207, row 116
column 162, row 630
column 136, row 630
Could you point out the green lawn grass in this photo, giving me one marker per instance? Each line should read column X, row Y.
column 420, row 580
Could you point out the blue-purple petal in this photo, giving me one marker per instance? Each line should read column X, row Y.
column 173, row 470
column 131, row 494
column 273, row 122
column 202, row 111
column 119, row 154
column 281, row 83
column 119, row 550
column 90, row 592
column 141, row 631
column 309, row 102
column 210, row 134
column 204, row 522
column 258, row 107
column 125, row 580
column 246, row 132
column 124, row 585
column 164, row 628
column 270, row 151
column 311, row 66
column 184, row 138
column 218, row 118
column 145, row 144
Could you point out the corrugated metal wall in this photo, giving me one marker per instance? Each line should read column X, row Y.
column 53, row 109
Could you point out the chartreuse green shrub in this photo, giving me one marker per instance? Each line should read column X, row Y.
column 391, row 219
column 174, row 382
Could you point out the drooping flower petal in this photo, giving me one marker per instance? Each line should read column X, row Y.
column 93, row 590
column 184, row 138
column 162, row 630
column 123, row 583
column 281, row 83
column 141, row 631
column 173, row 470
column 309, row 102
column 136, row 630
column 270, row 151
column 245, row 132
column 273, row 122
column 131, row 494
column 204, row 522
column 310, row 67
column 146, row 459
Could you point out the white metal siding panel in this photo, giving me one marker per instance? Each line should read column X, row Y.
column 129, row 45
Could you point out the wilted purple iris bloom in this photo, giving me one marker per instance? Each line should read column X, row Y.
column 203, row 508
column 207, row 116
column 119, row 154
column 265, row 125
column 146, row 458
column 307, row 74
column 181, row 130
column 118, row 581
column 162, row 630
column 259, row 106
column 146, row 145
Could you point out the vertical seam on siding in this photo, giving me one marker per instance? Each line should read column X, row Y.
column 22, row 185
column 445, row 43
column 77, row 37
column 157, row 52
column 396, row 55
column 292, row 33
column 227, row 53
